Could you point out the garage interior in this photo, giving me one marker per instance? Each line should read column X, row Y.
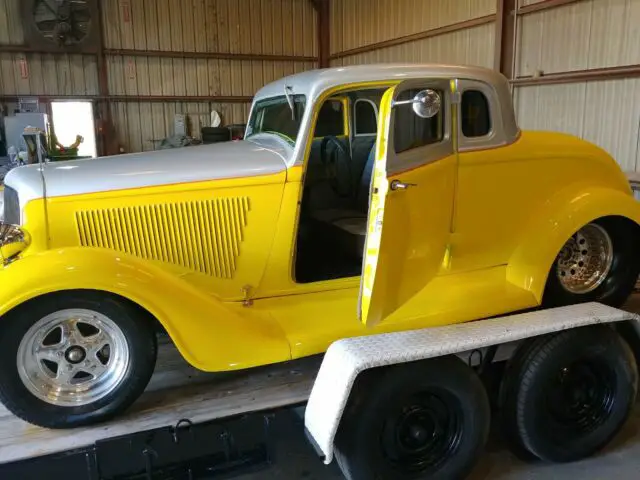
column 169, row 74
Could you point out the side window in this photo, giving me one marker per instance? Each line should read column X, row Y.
column 330, row 119
column 476, row 117
column 411, row 131
column 365, row 117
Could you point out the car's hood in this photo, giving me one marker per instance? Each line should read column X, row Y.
column 162, row 167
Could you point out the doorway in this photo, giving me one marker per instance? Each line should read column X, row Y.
column 73, row 118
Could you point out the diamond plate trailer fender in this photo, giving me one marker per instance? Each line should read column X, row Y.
column 347, row 358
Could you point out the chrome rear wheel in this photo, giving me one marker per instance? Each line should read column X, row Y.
column 73, row 357
column 585, row 259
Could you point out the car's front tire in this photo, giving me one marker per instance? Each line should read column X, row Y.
column 74, row 358
column 600, row 262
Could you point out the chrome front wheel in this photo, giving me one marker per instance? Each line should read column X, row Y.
column 73, row 357
column 585, row 259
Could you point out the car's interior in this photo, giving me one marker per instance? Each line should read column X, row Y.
column 335, row 201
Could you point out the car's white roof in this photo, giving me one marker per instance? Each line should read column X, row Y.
column 314, row 82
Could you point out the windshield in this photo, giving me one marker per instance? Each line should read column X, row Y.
column 273, row 115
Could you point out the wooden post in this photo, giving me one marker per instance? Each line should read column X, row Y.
column 505, row 37
column 323, row 10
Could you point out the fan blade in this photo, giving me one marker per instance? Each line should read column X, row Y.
column 49, row 7
column 46, row 25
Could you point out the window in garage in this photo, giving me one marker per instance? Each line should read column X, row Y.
column 73, row 119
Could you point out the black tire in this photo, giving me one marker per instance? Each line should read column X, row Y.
column 215, row 134
column 142, row 346
column 621, row 278
column 567, row 395
column 507, row 400
column 406, row 399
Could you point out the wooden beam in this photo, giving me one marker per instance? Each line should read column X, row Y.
column 171, row 54
column 545, row 5
column 454, row 27
column 135, row 98
column 208, row 55
column 106, row 141
column 591, row 75
column 324, row 32
column 504, row 60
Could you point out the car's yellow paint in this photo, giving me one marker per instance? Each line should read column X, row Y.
column 406, row 242
column 217, row 234
column 210, row 334
column 514, row 208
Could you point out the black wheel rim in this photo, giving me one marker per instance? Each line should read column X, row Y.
column 422, row 432
column 580, row 399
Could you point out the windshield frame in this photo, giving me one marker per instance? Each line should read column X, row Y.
column 257, row 115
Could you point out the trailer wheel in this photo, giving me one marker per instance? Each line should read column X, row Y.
column 427, row 419
column 571, row 393
column 74, row 358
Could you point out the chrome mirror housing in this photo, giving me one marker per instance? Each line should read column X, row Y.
column 13, row 240
column 426, row 103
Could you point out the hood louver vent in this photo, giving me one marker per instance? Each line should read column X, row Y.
column 203, row 236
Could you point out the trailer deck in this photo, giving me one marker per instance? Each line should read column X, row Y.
column 176, row 391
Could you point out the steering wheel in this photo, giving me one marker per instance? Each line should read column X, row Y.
column 337, row 165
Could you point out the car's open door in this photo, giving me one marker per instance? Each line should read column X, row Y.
column 412, row 196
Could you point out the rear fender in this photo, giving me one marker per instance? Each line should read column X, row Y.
column 210, row 334
column 561, row 217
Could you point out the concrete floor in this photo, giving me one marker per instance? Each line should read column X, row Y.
column 296, row 459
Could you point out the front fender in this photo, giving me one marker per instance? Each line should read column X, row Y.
column 210, row 334
column 559, row 218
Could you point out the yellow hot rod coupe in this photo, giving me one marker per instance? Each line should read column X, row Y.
column 362, row 200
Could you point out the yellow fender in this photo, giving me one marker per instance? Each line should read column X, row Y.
column 561, row 217
column 210, row 334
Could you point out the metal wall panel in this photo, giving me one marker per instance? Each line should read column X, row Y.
column 583, row 35
column 471, row 46
column 141, row 126
column 270, row 27
column 286, row 27
column 355, row 23
column 605, row 112
column 11, row 31
column 48, row 74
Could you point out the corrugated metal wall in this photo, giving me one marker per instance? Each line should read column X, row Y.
column 356, row 23
column 256, row 27
column 31, row 73
column 472, row 46
column 584, row 35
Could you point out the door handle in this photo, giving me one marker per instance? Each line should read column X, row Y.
column 398, row 185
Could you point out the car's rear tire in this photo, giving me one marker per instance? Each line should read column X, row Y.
column 600, row 262
column 569, row 393
column 426, row 419
column 74, row 358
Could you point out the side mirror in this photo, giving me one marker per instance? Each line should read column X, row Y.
column 425, row 104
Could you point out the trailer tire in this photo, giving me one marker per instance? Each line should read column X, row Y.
column 426, row 419
column 575, row 390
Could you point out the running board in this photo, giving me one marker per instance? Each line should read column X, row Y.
column 346, row 358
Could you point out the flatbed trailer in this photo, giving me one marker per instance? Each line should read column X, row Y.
column 185, row 417
column 191, row 424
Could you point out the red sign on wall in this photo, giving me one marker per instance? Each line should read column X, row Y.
column 24, row 68
column 126, row 10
